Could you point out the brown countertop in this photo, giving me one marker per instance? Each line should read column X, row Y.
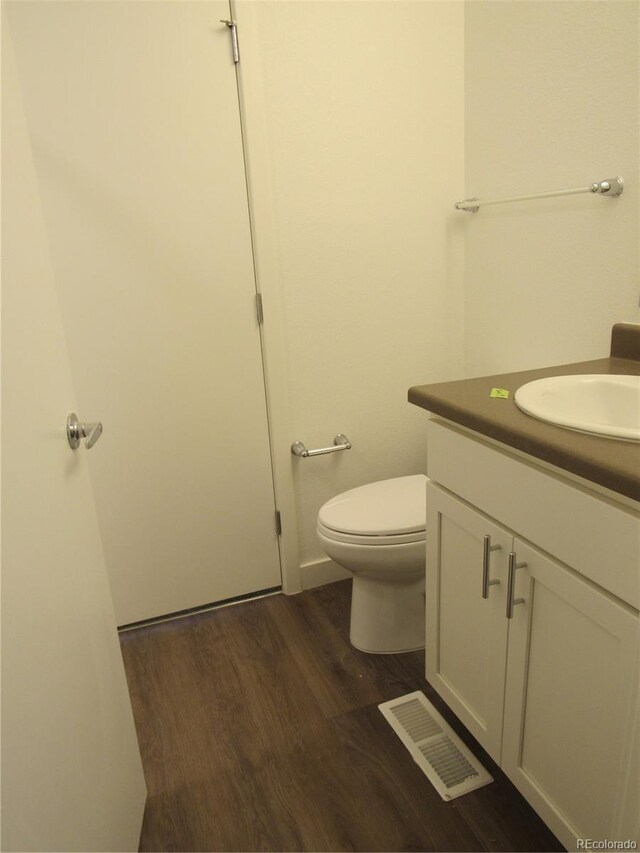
column 611, row 463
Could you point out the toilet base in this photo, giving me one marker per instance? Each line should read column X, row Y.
column 387, row 617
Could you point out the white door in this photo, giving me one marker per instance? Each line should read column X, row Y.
column 134, row 120
column 71, row 772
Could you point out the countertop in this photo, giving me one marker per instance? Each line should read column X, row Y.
column 611, row 463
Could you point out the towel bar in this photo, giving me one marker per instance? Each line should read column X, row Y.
column 612, row 187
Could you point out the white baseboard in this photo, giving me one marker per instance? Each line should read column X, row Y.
column 320, row 572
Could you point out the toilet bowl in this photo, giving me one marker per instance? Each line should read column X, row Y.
column 377, row 532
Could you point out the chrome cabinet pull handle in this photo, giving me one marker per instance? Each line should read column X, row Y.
column 511, row 582
column 77, row 431
column 487, row 549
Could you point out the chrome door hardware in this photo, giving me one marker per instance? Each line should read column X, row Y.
column 77, row 431
column 511, row 582
column 340, row 442
column 486, row 583
column 233, row 29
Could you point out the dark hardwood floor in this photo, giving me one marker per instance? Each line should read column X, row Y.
column 259, row 730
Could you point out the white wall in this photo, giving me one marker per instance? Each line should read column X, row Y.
column 551, row 102
column 361, row 107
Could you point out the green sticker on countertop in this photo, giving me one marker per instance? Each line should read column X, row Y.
column 499, row 392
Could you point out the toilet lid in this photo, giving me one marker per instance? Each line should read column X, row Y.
column 385, row 508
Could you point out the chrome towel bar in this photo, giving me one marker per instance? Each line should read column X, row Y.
column 611, row 187
column 340, row 442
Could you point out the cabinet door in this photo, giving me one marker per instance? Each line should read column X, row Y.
column 466, row 645
column 568, row 699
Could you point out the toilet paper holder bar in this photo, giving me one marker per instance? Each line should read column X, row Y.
column 340, row 442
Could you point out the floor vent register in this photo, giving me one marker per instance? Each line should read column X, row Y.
column 449, row 765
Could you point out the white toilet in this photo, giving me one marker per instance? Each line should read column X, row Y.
column 377, row 532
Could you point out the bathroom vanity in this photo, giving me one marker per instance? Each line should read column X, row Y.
column 533, row 593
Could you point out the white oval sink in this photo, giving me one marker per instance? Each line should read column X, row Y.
column 603, row 404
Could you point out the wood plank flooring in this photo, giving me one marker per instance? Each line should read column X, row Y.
column 259, row 730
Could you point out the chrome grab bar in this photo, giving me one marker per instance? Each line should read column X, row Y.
column 340, row 442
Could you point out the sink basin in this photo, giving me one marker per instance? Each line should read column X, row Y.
column 604, row 404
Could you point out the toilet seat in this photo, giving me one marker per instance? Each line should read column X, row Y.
column 388, row 512
column 357, row 539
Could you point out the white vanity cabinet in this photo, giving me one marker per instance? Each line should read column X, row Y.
column 552, row 691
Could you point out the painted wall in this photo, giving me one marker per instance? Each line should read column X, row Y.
column 551, row 102
column 361, row 153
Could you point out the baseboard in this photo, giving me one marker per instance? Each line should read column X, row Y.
column 320, row 572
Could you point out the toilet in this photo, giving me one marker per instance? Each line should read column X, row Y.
column 377, row 532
